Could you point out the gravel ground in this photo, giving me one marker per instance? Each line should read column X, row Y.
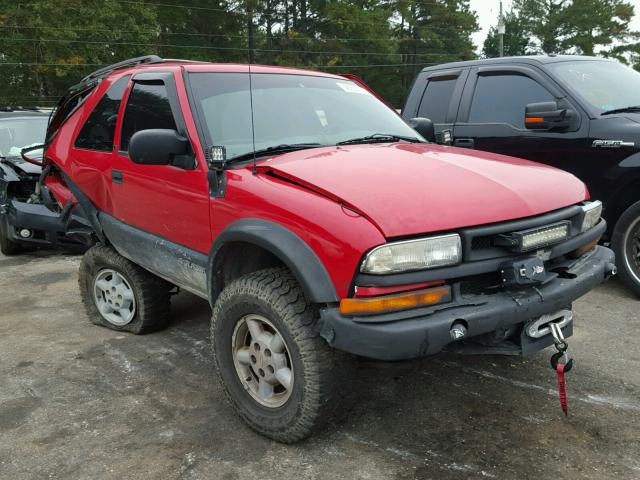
column 82, row 402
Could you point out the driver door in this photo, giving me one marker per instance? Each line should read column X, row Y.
column 167, row 201
column 492, row 113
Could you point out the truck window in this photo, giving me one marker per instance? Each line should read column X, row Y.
column 436, row 99
column 148, row 107
column 99, row 129
column 503, row 98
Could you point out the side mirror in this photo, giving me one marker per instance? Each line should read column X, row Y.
column 424, row 127
column 548, row 116
column 157, row 146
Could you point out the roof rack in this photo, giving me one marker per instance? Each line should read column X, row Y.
column 132, row 62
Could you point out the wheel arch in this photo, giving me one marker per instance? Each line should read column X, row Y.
column 623, row 197
column 274, row 245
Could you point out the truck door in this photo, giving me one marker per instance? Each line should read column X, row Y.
column 492, row 112
column 168, row 201
column 436, row 96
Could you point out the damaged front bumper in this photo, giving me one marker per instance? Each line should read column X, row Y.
column 420, row 332
column 32, row 224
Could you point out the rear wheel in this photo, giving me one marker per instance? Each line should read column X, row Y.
column 277, row 372
column 120, row 295
column 625, row 242
column 7, row 246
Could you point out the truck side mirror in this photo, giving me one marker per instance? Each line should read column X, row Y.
column 424, row 127
column 157, row 146
column 548, row 116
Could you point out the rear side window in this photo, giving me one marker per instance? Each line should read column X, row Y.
column 437, row 98
column 503, row 98
column 99, row 129
column 148, row 107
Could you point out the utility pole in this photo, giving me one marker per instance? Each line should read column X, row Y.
column 501, row 30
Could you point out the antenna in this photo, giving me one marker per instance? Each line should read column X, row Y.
column 253, row 129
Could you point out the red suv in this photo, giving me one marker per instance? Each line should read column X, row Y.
column 311, row 216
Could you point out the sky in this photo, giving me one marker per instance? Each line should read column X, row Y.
column 488, row 10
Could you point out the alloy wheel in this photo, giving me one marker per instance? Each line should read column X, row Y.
column 262, row 361
column 114, row 297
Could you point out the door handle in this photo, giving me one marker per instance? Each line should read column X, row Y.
column 464, row 142
column 116, row 177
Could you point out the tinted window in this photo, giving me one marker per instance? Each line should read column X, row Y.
column 148, row 107
column 436, row 99
column 503, row 98
column 99, row 129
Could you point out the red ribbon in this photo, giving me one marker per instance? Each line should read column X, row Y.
column 562, row 388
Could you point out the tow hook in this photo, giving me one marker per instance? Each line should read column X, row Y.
column 610, row 270
column 543, row 325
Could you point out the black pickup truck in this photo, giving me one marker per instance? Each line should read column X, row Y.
column 581, row 114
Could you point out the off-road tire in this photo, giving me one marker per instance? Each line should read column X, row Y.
column 7, row 246
column 275, row 294
column 627, row 224
column 152, row 294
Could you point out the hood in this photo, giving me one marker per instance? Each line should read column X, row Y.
column 409, row 189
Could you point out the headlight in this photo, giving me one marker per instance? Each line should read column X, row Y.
column 413, row 255
column 592, row 211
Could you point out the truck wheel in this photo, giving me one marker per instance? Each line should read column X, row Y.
column 625, row 242
column 7, row 247
column 277, row 372
column 120, row 295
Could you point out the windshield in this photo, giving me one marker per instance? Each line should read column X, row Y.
column 604, row 85
column 289, row 110
column 19, row 132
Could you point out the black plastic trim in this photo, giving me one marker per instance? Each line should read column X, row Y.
column 175, row 263
column 425, row 333
column 284, row 244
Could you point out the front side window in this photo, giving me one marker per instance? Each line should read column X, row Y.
column 99, row 129
column 148, row 107
column 436, row 99
column 288, row 109
column 503, row 99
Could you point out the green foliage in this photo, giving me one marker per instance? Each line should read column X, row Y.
column 386, row 42
column 516, row 40
column 583, row 27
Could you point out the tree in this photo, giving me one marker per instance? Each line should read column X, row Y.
column 584, row 27
column 516, row 40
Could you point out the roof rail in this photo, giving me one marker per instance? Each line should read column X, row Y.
column 132, row 62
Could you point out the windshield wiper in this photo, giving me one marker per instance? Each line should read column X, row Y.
column 634, row 108
column 379, row 138
column 284, row 148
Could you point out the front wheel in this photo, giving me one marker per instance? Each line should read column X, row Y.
column 277, row 372
column 625, row 242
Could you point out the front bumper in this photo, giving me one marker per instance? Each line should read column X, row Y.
column 48, row 229
column 420, row 332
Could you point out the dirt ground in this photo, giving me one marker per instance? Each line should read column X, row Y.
column 81, row 402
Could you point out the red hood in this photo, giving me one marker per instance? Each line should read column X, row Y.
column 408, row 189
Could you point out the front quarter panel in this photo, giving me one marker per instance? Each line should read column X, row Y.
column 338, row 236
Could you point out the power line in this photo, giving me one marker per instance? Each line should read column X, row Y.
column 210, row 47
column 213, row 35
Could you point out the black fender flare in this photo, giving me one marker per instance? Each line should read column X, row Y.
column 284, row 244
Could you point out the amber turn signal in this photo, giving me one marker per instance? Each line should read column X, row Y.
column 390, row 303
column 534, row 120
column 585, row 248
